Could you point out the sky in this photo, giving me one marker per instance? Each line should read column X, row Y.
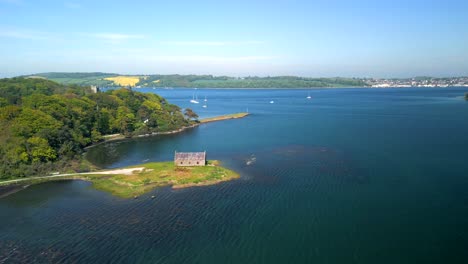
column 315, row 38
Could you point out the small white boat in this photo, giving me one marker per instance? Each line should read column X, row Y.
column 205, row 99
column 272, row 102
column 204, row 106
column 308, row 96
column 194, row 101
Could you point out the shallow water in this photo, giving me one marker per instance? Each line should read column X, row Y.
column 350, row 176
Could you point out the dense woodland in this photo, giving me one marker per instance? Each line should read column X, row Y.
column 205, row 81
column 209, row 81
column 45, row 125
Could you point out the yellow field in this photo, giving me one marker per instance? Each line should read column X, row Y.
column 124, row 80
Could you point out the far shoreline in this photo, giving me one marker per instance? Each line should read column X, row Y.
column 295, row 88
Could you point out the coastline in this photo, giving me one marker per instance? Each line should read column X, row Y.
column 6, row 190
column 136, row 180
column 297, row 88
column 9, row 187
column 118, row 137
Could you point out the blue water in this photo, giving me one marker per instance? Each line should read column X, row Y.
column 350, row 176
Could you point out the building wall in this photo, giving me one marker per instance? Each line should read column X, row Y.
column 185, row 163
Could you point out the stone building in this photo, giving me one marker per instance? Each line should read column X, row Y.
column 94, row 89
column 190, row 158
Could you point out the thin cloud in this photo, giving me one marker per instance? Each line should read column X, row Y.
column 116, row 36
column 136, row 55
column 212, row 43
column 14, row 2
column 24, row 34
column 72, row 5
column 212, row 59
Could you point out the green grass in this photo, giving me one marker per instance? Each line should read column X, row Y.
column 159, row 174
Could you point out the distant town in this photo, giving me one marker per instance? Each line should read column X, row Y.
column 418, row 82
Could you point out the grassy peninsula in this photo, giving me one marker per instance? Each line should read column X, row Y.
column 45, row 126
column 136, row 180
column 159, row 174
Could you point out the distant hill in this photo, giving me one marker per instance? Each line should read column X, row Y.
column 78, row 78
column 196, row 81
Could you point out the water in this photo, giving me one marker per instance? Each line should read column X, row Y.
column 350, row 176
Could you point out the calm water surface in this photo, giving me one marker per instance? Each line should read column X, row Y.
column 350, row 176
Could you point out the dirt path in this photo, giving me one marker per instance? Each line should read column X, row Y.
column 117, row 171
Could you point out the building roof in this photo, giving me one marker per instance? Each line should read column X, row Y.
column 190, row 156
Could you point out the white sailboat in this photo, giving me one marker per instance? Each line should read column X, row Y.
column 194, row 101
column 308, row 96
column 205, row 99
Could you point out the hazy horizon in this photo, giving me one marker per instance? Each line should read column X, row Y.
column 243, row 76
column 391, row 39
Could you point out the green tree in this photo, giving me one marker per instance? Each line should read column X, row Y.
column 39, row 150
column 125, row 120
column 3, row 102
column 190, row 114
column 95, row 136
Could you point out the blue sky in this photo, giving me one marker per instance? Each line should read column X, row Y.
column 360, row 38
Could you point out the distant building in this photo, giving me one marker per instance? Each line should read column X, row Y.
column 94, row 89
column 190, row 159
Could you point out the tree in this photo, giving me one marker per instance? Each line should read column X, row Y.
column 190, row 114
column 466, row 96
column 39, row 150
column 3, row 102
column 125, row 120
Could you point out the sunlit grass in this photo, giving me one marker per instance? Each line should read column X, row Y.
column 158, row 174
column 124, row 80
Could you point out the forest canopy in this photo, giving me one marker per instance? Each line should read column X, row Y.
column 45, row 125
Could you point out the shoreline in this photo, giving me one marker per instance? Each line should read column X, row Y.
column 118, row 137
column 9, row 187
column 128, row 182
column 296, row 88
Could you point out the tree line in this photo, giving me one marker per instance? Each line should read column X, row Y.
column 45, row 125
column 205, row 81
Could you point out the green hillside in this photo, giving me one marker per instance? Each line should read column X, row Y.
column 203, row 81
column 45, row 125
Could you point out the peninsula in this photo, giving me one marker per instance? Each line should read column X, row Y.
column 139, row 179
